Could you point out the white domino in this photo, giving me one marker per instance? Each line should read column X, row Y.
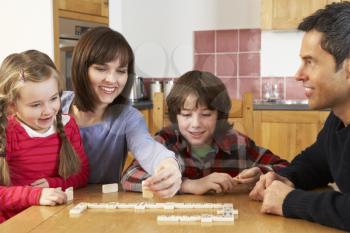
column 70, row 194
column 146, row 192
column 78, row 209
column 206, row 218
column 110, row 188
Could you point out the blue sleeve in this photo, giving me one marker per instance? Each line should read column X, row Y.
column 144, row 148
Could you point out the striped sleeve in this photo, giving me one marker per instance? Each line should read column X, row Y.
column 14, row 199
column 263, row 158
column 132, row 178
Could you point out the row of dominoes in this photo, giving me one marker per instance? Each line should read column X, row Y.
column 225, row 214
column 204, row 218
column 221, row 207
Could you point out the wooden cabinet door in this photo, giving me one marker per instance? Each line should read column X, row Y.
column 92, row 7
column 287, row 133
column 287, row 14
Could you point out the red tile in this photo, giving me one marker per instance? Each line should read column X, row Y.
column 205, row 63
column 294, row 89
column 204, row 41
column 249, row 64
column 249, row 40
column 227, row 41
column 231, row 86
column 271, row 82
column 251, row 84
column 226, row 64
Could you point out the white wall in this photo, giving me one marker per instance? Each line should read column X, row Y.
column 280, row 53
column 161, row 31
column 26, row 25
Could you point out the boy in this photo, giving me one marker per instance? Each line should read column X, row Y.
column 214, row 157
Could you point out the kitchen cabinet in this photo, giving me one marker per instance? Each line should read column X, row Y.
column 288, row 132
column 87, row 10
column 287, row 14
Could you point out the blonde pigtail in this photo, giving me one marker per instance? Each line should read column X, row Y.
column 69, row 162
column 4, row 169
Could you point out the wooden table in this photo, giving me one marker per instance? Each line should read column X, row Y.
column 57, row 218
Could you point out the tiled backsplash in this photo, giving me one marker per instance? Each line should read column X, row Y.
column 234, row 56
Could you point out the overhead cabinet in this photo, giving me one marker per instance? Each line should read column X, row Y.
column 287, row 14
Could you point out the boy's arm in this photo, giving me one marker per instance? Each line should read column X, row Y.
column 132, row 178
column 263, row 158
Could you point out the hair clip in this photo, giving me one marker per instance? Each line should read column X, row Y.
column 21, row 75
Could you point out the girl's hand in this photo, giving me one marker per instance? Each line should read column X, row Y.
column 52, row 196
column 167, row 179
column 40, row 183
column 217, row 182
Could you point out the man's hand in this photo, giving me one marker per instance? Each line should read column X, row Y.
column 217, row 182
column 274, row 197
column 167, row 179
column 52, row 196
column 264, row 182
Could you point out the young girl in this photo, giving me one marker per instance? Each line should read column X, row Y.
column 103, row 74
column 215, row 157
column 40, row 149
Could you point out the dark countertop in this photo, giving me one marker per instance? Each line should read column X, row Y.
column 293, row 105
column 142, row 104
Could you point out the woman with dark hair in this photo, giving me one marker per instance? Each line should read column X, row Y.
column 103, row 74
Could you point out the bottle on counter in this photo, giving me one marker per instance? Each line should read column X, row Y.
column 156, row 86
column 167, row 86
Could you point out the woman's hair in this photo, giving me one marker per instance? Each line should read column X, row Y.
column 99, row 45
column 210, row 92
column 15, row 71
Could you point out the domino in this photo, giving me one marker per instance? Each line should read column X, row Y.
column 110, row 188
column 206, row 218
column 169, row 206
column 146, row 192
column 140, row 206
column 78, row 209
column 70, row 194
column 111, row 205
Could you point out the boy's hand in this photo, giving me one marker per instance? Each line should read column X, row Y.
column 249, row 176
column 52, row 196
column 40, row 183
column 217, row 182
column 167, row 178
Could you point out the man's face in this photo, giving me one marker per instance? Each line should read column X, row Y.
column 324, row 86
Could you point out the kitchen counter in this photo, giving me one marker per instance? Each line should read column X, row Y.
column 142, row 104
column 281, row 105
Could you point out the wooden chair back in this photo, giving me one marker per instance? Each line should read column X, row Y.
column 241, row 114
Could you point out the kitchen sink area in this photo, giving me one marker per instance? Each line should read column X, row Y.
column 262, row 104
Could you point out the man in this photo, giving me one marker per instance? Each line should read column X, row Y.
column 325, row 73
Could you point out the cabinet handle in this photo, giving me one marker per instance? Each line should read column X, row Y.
column 105, row 3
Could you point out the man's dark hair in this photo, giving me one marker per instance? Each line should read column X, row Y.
column 334, row 22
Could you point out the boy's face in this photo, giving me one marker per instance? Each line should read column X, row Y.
column 197, row 124
column 38, row 104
